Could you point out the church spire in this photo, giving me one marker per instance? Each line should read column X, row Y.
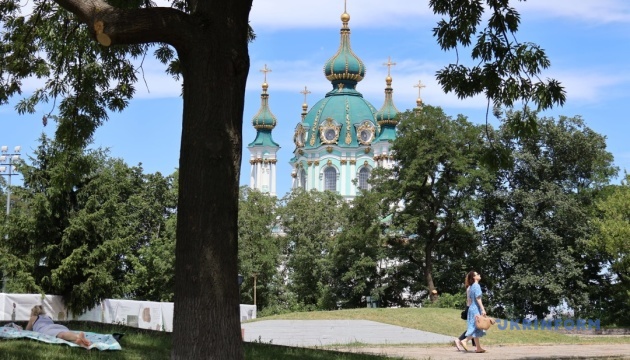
column 263, row 150
column 264, row 119
column 388, row 114
column 344, row 69
column 418, row 107
column 305, row 92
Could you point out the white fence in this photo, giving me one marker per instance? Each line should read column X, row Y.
column 141, row 314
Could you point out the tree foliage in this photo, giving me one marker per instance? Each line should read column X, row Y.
column 505, row 70
column 612, row 224
column 312, row 221
column 81, row 224
column 432, row 192
column 260, row 249
column 536, row 217
column 358, row 253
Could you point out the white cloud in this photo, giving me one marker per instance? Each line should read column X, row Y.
column 277, row 14
column 590, row 85
column 593, row 11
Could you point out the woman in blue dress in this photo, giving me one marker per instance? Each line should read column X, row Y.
column 476, row 309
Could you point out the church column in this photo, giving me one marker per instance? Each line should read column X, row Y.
column 353, row 170
column 272, row 189
column 317, row 170
column 259, row 173
column 252, row 172
column 344, row 174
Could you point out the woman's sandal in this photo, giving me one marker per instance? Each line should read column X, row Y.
column 458, row 345
column 480, row 351
column 463, row 344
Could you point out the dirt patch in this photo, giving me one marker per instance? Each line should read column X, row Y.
column 497, row 352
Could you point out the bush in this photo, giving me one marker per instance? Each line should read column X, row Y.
column 446, row 300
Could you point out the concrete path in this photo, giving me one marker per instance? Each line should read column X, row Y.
column 335, row 332
column 386, row 339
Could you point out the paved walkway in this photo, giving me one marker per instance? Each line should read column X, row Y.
column 336, row 332
column 386, row 340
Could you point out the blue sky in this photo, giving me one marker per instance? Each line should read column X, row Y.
column 587, row 41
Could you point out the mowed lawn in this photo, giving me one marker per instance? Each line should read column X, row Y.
column 140, row 344
column 146, row 344
column 448, row 322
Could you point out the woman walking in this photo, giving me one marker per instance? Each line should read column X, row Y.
column 473, row 295
column 459, row 344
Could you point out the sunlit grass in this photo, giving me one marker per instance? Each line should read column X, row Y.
column 448, row 322
column 140, row 344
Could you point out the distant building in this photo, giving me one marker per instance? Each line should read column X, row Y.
column 339, row 141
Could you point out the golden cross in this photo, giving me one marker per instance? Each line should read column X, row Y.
column 420, row 85
column 389, row 64
column 305, row 92
column 265, row 70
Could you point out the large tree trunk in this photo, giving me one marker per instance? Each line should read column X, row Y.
column 215, row 66
column 211, row 41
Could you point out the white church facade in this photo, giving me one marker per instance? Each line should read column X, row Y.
column 339, row 141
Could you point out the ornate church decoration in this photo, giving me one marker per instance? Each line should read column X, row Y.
column 300, row 136
column 329, row 131
column 348, row 137
column 365, row 132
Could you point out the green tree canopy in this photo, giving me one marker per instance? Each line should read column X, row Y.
column 81, row 223
column 358, row 252
column 260, row 249
column 536, row 217
column 612, row 224
column 312, row 221
column 432, row 192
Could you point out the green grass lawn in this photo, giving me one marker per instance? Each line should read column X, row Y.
column 448, row 322
column 146, row 344
column 140, row 344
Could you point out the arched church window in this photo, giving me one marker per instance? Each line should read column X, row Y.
column 364, row 175
column 330, row 179
column 303, row 179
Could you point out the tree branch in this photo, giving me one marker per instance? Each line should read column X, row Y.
column 112, row 26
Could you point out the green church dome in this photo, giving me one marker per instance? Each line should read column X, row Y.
column 344, row 65
column 342, row 118
column 264, row 119
column 387, row 116
column 337, row 118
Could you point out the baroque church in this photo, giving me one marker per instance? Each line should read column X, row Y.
column 339, row 141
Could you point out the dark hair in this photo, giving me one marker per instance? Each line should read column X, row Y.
column 470, row 278
column 37, row 310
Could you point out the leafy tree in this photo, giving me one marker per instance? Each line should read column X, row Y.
column 73, row 227
column 536, row 217
column 506, row 70
column 260, row 249
column 312, row 221
column 431, row 192
column 358, row 253
column 205, row 42
column 611, row 240
column 152, row 271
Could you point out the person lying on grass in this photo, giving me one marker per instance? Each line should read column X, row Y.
column 42, row 323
